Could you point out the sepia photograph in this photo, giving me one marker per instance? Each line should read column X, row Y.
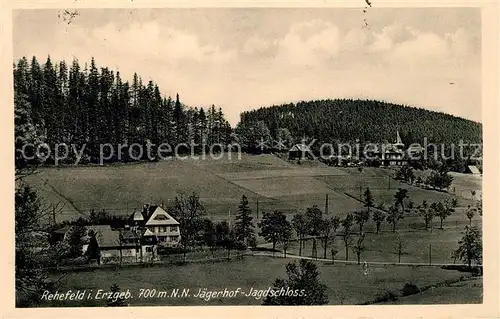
column 239, row 156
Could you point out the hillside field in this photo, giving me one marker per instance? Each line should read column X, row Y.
column 266, row 179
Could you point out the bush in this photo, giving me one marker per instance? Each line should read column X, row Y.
column 171, row 250
column 386, row 296
column 410, row 289
column 476, row 271
column 263, row 249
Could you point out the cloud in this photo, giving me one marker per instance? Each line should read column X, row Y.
column 425, row 49
column 462, row 43
column 309, row 43
column 308, row 59
column 257, row 45
column 145, row 41
column 389, row 37
column 355, row 39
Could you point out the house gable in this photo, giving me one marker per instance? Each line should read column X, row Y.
column 160, row 218
column 473, row 170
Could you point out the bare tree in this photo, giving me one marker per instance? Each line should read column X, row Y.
column 394, row 216
column 399, row 246
column 334, row 251
column 359, row 247
column 327, row 232
column 378, row 218
column 361, row 217
column 189, row 211
column 347, row 223
column 300, row 225
column 426, row 213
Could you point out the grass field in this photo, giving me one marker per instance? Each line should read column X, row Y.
column 347, row 284
column 382, row 247
column 274, row 183
column 466, row 292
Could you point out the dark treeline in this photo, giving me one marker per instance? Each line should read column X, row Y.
column 347, row 120
column 61, row 103
column 91, row 106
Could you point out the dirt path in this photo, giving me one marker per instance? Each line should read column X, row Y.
column 291, row 256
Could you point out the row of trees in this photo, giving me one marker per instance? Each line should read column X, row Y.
column 438, row 179
column 61, row 103
column 312, row 224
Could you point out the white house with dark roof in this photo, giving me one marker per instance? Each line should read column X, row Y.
column 138, row 242
column 158, row 223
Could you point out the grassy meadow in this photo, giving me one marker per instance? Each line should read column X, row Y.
column 274, row 183
column 347, row 284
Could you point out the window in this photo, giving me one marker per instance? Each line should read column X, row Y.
column 161, row 217
column 174, row 238
column 149, row 249
column 173, row 228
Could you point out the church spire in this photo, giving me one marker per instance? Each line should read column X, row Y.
column 398, row 139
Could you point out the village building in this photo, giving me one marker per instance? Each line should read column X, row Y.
column 60, row 234
column 390, row 154
column 300, row 152
column 119, row 246
column 137, row 242
column 159, row 223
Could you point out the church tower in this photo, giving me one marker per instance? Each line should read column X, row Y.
column 399, row 144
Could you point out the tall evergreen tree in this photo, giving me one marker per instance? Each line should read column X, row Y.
column 244, row 227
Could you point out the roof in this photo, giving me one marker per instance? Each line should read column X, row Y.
column 105, row 236
column 300, row 148
column 160, row 217
column 62, row 230
column 143, row 215
column 137, row 216
column 130, row 234
column 474, row 170
column 147, row 232
column 98, row 228
column 386, row 148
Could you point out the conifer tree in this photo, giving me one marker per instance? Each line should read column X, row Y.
column 244, row 227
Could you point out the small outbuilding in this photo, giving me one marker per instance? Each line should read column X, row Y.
column 301, row 152
column 471, row 169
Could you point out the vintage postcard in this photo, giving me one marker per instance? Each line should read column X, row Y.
column 331, row 154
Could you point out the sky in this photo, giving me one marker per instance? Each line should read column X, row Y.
column 246, row 58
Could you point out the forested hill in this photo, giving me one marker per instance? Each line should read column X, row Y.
column 346, row 120
column 83, row 104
